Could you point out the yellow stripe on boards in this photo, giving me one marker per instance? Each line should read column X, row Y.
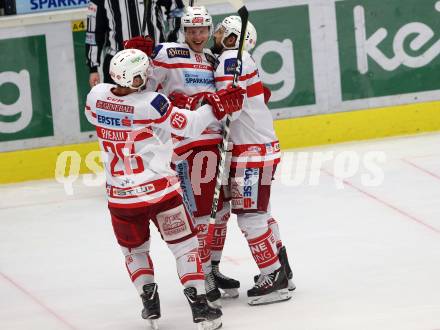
column 34, row 164
column 357, row 125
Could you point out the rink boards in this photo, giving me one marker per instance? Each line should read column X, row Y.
column 295, row 132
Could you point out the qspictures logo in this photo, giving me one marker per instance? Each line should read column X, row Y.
column 25, row 107
column 388, row 47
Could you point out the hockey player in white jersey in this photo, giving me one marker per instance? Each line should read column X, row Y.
column 134, row 131
column 255, row 155
column 187, row 68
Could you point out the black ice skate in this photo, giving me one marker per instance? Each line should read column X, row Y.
column 270, row 288
column 213, row 294
column 282, row 256
column 228, row 285
column 205, row 316
column 150, row 299
column 284, row 261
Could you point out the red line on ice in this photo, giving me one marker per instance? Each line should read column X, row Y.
column 37, row 301
column 383, row 202
column 232, row 260
column 424, row 170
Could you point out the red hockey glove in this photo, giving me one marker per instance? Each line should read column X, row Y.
column 184, row 101
column 226, row 101
column 267, row 94
column 145, row 44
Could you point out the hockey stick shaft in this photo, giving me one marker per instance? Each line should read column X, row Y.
column 144, row 19
column 244, row 15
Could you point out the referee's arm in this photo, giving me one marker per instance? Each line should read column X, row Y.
column 97, row 29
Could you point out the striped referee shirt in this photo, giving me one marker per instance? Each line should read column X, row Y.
column 110, row 22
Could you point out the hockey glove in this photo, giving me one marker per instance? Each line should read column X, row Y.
column 183, row 101
column 226, row 101
column 145, row 44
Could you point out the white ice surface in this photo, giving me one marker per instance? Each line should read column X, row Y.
column 363, row 257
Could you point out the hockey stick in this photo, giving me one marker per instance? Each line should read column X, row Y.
column 144, row 19
column 244, row 15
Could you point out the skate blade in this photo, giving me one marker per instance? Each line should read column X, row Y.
column 215, row 304
column 154, row 325
column 291, row 286
column 229, row 293
column 210, row 325
column 273, row 297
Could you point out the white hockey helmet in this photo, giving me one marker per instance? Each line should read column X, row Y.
column 126, row 65
column 196, row 16
column 232, row 25
column 250, row 39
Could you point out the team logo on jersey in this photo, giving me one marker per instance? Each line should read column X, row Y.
column 160, row 103
column 178, row 52
column 198, row 78
column 178, row 120
column 156, row 50
column 231, row 65
column 199, row 58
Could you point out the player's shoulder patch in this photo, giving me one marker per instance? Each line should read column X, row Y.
column 230, row 66
column 160, row 104
column 156, row 50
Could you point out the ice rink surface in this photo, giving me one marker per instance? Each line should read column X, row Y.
column 365, row 251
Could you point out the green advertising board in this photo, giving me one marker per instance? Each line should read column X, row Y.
column 81, row 71
column 25, row 101
column 388, row 47
column 284, row 54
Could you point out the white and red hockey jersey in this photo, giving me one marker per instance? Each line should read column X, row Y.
column 177, row 68
column 134, row 133
column 255, row 143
